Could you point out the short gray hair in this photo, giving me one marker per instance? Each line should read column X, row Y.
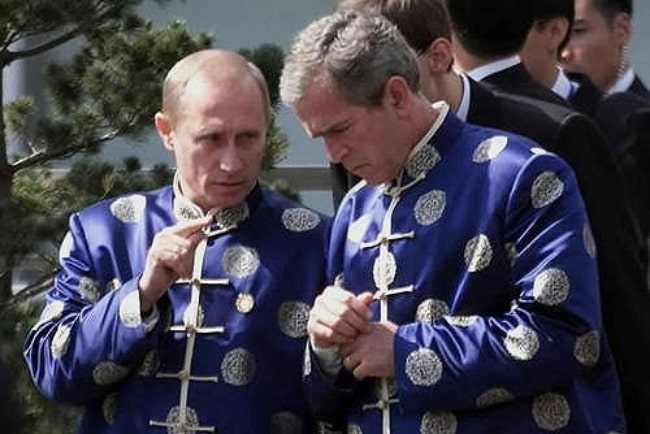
column 359, row 51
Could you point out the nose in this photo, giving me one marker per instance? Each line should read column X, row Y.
column 566, row 56
column 230, row 161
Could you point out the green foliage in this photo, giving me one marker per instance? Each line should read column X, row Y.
column 109, row 88
column 24, row 409
column 269, row 58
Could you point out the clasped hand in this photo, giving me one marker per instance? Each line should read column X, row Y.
column 342, row 319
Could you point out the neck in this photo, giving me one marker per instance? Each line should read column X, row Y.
column 451, row 89
column 547, row 75
column 423, row 116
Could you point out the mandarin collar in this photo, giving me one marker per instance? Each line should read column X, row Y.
column 185, row 210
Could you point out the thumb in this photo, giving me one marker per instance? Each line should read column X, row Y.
column 365, row 298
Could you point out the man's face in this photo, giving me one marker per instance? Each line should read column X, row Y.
column 595, row 45
column 362, row 138
column 218, row 140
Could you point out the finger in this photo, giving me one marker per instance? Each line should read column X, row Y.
column 359, row 371
column 325, row 336
column 344, row 303
column 185, row 229
column 340, row 324
column 339, row 316
column 349, row 363
column 365, row 298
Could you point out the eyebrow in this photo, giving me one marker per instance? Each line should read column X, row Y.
column 334, row 126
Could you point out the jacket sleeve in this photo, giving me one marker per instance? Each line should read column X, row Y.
column 90, row 334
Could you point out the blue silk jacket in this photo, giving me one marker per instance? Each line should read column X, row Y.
column 482, row 254
column 222, row 352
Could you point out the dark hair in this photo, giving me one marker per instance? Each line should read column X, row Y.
column 491, row 27
column 420, row 21
column 610, row 8
column 546, row 10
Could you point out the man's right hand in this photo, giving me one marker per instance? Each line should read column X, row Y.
column 170, row 257
column 338, row 316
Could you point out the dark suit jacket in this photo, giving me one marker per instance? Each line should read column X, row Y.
column 624, row 293
column 587, row 97
column 630, row 129
column 638, row 88
column 516, row 80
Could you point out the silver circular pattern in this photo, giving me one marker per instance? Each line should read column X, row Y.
column 547, row 188
column 106, row 373
column 357, row 230
column 353, row 428
column 495, row 396
column 431, row 310
column 244, row 302
column 441, row 422
column 587, row 348
column 293, row 317
column 194, row 317
column 53, row 310
column 88, row 289
column 185, row 211
column 113, row 284
column 422, row 161
column 551, row 287
column 286, row 422
column 461, row 320
column 108, row 408
column 478, row 253
column 551, row 411
column 384, row 270
column 489, row 149
column 129, row 313
column 229, row 217
column 429, row 207
column 150, row 364
column 240, row 261
column 423, row 367
column 179, row 426
column 60, row 341
column 522, row 343
column 129, row 209
column 238, row 367
column 588, row 240
column 300, row 219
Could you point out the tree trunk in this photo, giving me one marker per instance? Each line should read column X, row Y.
column 6, row 180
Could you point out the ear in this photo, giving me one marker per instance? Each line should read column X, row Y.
column 439, row 56
column 397, row 93
column 559, row 30
column 164, row 128
column 622, row 28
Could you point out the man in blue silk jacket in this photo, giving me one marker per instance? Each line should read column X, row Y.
column 464, row 291
column 184, row 310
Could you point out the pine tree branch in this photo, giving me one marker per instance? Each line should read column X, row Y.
column 10, row 56
column 42, row 155
column 32, row 290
